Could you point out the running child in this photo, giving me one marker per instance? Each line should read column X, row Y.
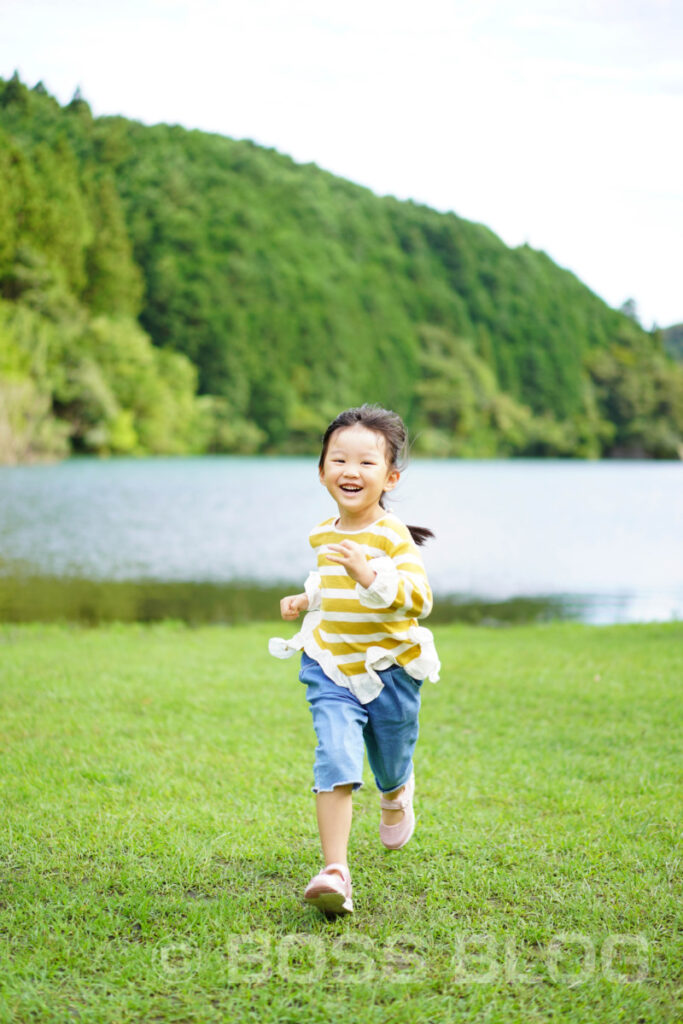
column 364, row 657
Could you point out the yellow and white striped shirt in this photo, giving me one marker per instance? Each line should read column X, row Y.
column 353, row 631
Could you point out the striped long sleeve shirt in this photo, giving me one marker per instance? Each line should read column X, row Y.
column 353, row 631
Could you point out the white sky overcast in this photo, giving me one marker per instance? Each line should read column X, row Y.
column 557, row 123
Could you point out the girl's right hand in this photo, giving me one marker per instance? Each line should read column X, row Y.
column 292, row 606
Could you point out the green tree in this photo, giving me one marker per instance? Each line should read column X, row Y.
column 281, row 294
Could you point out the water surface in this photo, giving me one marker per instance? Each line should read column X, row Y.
column 603, row 540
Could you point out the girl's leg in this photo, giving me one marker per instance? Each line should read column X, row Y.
column 334, row 812
column 390, row 817
column 338, row 719
column 391, row 734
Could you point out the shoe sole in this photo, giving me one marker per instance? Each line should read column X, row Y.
column 331, row 902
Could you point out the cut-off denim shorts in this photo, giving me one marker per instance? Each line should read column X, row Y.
column 387, row 727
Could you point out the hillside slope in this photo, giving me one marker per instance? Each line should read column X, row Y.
column 287, row 293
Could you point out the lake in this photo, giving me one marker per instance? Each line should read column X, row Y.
column 599, row 541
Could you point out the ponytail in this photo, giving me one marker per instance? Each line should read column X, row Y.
column 420, row 534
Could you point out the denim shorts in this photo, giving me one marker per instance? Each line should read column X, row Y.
column 387, row 727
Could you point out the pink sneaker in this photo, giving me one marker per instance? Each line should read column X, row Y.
column 396, row 836
column 329, row 892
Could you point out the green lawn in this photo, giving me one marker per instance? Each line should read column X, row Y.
column 158, row 829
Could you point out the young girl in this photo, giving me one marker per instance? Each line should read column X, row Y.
column 363, row 655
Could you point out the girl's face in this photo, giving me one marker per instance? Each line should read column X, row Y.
column 356, row 473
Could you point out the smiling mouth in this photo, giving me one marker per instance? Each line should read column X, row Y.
column 350, row 489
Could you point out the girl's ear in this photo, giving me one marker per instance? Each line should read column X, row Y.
column 392, row 480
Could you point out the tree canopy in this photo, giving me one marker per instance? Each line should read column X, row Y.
column 166, row 290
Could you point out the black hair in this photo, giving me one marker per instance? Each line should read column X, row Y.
column 392, row 428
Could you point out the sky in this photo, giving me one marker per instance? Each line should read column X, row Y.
column 557, row 124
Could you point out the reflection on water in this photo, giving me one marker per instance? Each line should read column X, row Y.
column 51, row 599
column 26, row 598
column 88, row 602
column 139, row 539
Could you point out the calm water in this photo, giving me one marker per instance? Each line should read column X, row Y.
column 605, row 537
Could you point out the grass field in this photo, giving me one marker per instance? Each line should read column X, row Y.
column 158, row 829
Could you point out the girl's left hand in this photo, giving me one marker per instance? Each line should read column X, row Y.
column 351, row 556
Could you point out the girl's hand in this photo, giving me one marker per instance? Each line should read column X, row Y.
column 351, row 556
column 292, row 606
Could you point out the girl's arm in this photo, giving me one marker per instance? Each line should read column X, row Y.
column 394, row 583
column 400, row 586
column 352, row 557
column 292, row 606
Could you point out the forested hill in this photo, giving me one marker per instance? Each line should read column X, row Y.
column 165, row 290
column 673, row 340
